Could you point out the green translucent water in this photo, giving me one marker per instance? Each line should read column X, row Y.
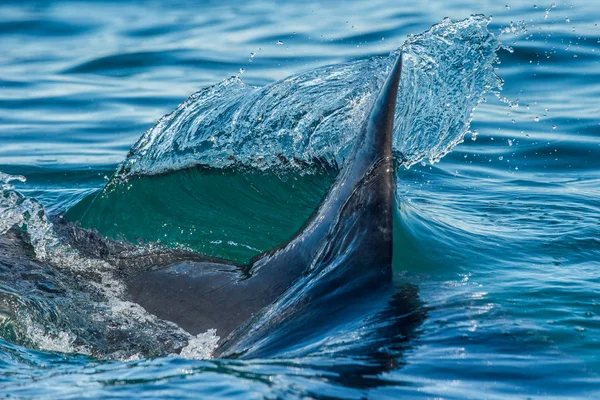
column 233, row 214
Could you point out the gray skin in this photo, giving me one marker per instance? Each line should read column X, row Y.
column 355, row 218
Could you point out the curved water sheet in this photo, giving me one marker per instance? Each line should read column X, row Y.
column 314, row 115
column 55, row 297
column 253, row 148
column 228, row 213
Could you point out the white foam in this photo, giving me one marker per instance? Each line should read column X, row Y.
column 115, row 312
column 202, row 346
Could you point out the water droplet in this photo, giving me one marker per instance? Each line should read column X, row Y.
column 553, row 127
column 510, row 142
column 501, row 158
column 567, row 19
column 507, row 7
column 279, row 42
column 548, row 10
column 537, row 119
column 242, row 70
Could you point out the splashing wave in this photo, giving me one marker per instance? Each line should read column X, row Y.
column 313, row 115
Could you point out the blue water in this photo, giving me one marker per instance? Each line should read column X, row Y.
column 498, row 241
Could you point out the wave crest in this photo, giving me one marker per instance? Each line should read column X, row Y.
column 314, row 115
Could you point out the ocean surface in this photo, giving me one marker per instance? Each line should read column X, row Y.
column 497, row 230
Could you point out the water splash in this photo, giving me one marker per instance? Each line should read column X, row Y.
column 447, row 71
column 60, row 300
column 314, row 115
column 5, row 179
column 202, row 346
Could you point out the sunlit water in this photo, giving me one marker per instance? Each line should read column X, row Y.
column 499, row 240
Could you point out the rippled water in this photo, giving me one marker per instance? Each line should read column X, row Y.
column 496, row 248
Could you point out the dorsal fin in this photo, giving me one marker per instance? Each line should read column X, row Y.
column 375, row 141
column 373, row 145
